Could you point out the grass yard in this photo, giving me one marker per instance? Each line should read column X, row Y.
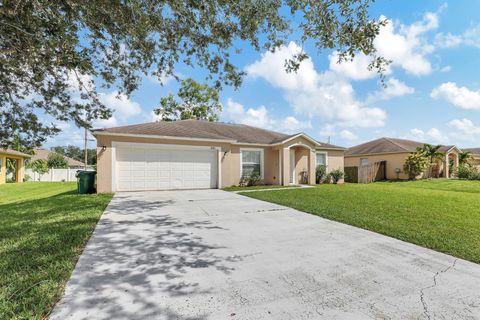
column 237, row 188
column 443, row 215
column 44, row 228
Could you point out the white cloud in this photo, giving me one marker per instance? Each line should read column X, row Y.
column 259, row 117
column 356, row 69
column 433, row 135
column 455, row 131
column 271, row 67
column 291, row 125
column 471, row 37
column 123, row 107
column 327, row 95
column 394, row 88
column 446, row 69
column 461, row 97
column 447, row 40
column 464, row 129
column 403, row 44
column 348, row 135
column 417, row 134
column 328, row 130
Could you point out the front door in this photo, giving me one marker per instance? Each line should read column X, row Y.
column 292, row 166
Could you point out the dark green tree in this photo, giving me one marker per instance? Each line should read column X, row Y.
column 51, row 50
column 57, row 161
column 197, row 101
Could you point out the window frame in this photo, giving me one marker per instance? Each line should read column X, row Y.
column 368, row 162
column 262, row 160
column 326, row 158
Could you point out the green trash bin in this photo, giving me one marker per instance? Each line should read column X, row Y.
column 86, row 181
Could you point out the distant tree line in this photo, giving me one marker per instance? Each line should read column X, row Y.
column 77, row 153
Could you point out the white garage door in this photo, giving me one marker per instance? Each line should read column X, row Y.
column 164, row 168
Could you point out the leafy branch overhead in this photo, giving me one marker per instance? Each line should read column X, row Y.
column 197, row 101
column 51, row 50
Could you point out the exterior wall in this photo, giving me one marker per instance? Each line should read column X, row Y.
column 230, row 159
column 3, row 169
column 301, row 163
column 335, row 161
column 276, row 159
column 394, row 160
column 475, row 161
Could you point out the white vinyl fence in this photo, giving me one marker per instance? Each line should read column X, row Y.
column 54, row 175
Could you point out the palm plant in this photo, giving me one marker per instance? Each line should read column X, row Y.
column 464, row 157
column 432, row 153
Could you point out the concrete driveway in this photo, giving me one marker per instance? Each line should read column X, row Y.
column 217, row 255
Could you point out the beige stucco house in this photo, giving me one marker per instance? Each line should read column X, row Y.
column 18, row 159
column 475, row 160
column 191, row 154
column 394, row 152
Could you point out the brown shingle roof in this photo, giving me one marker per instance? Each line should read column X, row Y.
column 202, row 130
column 14, row 153
column 475, row 151
column 388, row 145
column 44, row 153
column 197, row 129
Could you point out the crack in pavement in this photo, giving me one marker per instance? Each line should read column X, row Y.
column 422, row 291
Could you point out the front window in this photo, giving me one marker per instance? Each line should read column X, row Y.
column 364, row 161
column 321, row 159
column 251, row 162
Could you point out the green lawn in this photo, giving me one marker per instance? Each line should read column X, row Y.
column 44, row 228
column 237, row 188
column 443, row 215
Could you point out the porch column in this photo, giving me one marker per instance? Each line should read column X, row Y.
column 20, row 170
column 3, row 169
column 447, row 167
column 286, row 166
column 312, row 167
column 456, row 163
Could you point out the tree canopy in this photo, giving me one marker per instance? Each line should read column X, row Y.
column 55, row 54
column 197, row 101
column 57, row 161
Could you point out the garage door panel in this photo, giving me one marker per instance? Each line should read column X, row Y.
column 161, row 168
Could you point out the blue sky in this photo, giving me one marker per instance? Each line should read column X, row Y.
column 432, row 94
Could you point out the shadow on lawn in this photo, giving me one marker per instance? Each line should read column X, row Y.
column 39, row 243
column 137, row 258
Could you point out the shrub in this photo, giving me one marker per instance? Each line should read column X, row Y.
column 415, row 164
column 26, row 178
column 468, row 172
column 336, row 175
column 251, row 180
column 320, row 173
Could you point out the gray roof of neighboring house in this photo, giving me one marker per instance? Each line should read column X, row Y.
column 198, row 129
column 44, row 153
column 388, row 145
column 475, row 151
column 14, row 153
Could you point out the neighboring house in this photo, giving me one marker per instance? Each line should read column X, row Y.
column 475, row 156
column 18, row 158
column 44, row 153
column 394, row 152
column 191, row 154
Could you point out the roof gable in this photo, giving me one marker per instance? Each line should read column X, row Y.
column 390, row 145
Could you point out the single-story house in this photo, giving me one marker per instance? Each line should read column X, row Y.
column 18, row 159
column 192, row 154
column 475, row 156
column 44, row 153
column 394, row 152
